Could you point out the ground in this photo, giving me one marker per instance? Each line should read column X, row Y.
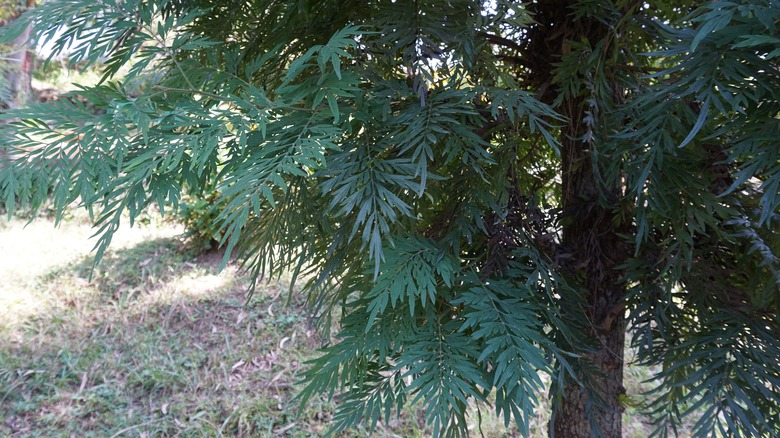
column 159, row 342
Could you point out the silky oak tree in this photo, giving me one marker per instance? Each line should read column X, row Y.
column 473, row 193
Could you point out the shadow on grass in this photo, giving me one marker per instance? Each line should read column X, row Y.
column 159, row 343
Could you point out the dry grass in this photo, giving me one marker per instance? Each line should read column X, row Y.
column 158, row 343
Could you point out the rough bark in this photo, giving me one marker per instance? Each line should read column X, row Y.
column 596, row 248
column 589, row 235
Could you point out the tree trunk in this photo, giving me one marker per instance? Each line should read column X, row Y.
column 588, row 233
column 19, row 76
column 589, row 236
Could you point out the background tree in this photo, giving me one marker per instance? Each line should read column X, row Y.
column 17, row 61
column 483, row 190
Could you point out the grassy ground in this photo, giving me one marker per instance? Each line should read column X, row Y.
column 159, row 343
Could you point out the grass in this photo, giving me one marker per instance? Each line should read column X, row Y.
column 159, row 343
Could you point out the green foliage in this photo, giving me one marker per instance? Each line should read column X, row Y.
column 198, row 214
column 415, row 162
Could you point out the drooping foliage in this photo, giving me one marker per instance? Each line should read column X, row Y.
column 409, row 161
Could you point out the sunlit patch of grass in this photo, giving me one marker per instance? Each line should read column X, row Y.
column 30, row 251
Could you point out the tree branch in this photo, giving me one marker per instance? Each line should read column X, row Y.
column 500, row 41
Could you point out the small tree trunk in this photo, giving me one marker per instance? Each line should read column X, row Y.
column 19, row 77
